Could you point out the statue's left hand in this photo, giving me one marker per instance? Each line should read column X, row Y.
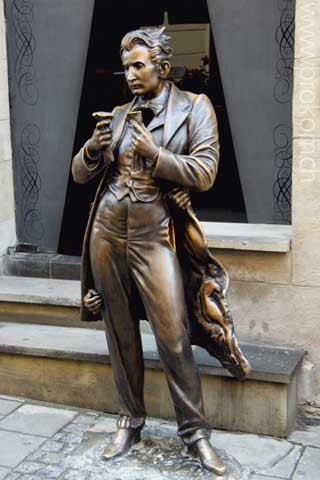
column 92, row 301
column 180, row 197
column 142, row 141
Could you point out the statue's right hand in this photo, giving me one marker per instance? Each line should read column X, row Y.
column 92, row 301
column 101, row 137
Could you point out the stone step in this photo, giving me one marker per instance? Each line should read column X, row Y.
column 72, row 366
column 40, row 291
column 41, row 265
column 41, row 301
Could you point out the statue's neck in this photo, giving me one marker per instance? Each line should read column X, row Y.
column 155, row 93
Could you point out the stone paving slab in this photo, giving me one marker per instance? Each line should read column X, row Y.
column 262, row 477
column 251, row 450
column 309, row 465
column 13, row 398
column 14, row 447
column 14, row 476
column 73, row 450
column 103, row 426
column 285, row 467
column 3, row 472
column 309, row 437
column 7, row 406
column 37, row 420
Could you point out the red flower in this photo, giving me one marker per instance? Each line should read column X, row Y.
column 205, row 60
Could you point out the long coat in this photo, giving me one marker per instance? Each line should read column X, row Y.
column 188, row 158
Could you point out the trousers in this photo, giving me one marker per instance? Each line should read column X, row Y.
column 131, row 252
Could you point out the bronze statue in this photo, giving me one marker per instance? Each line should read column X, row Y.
column 145, row 254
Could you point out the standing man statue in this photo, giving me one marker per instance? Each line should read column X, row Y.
column 145, row 254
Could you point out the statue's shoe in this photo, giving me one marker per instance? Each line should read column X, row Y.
column 203, row 450
column 121, row 443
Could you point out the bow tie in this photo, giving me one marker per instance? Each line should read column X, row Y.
column 153, row 106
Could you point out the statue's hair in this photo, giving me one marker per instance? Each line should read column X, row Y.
column 154, row 38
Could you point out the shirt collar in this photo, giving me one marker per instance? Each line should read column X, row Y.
column 158, row 103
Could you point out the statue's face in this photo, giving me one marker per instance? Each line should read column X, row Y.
column 141, row 73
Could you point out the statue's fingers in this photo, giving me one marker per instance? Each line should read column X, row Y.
column 105, row 144
column 92, row 291
column 181, row 203
column 139, row 128
column 180, row 196
column 95, row 309
column 103, row 131
column 103, row 123
column 93, row 300
column 176, row 192
column 96, row 303
column 92, row 309
column 104, row 138
column 185, row 203
column 136, row 136
column 180, row 193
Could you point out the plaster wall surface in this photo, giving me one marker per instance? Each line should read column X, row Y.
column 283, row 315
column 7, row 213
column 306, row 146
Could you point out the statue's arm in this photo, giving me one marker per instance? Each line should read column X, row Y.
column 84, row 169
column 197, row 170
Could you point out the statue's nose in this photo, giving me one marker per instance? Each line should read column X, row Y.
column 131, row 75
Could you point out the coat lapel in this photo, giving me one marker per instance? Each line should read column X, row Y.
column 179, row 107
column 119, row 124
column 178, row 110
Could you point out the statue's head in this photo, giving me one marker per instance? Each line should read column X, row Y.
column 145, row 58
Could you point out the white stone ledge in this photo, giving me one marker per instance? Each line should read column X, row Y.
column 40, row 291
column 248, row 236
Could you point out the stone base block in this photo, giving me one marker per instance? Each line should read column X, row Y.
column 71, row 366
column 249, row 406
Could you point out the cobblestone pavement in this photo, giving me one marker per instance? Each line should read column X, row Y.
column 44, row 441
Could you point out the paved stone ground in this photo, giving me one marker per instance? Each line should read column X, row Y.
column 44, row 441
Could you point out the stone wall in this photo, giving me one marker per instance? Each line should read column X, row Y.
column 275, row 297
column 7, row 216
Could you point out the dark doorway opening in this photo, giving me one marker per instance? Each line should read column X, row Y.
column 104, row 87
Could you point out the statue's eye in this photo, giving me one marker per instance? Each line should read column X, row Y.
column 139, row 65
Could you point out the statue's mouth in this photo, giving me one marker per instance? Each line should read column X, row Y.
column 135, row 85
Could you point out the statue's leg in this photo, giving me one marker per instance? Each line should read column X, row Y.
column 157, row 274
column 112, row 281
column 160, row 286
